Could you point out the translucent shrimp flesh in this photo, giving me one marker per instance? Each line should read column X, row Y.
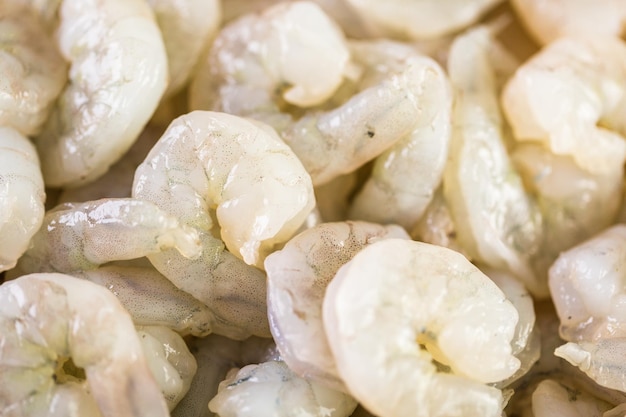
column 22, row 196
column 496, row 221
column 416, row 329
column 570, row 97
column 271, row 389
column 169, row 360
column 552, row 19
column 68, row 348
column 391, row 194
column 33, row 70
column 552, row 398
column 82, row 236
column 297, row 276
column 117, row 75
column 421, row 19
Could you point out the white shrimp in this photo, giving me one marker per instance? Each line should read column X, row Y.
column 496, row 221
column 548, row 20
column 169, row 360
column 297, row 276
column 552, row 398
column 571, row 97
column 151, row 299
column 293, row 50
column 81, row 236
column 63, row 340
column 117, row 76
column 187, row 28
column 33, row 71
column 420, row 19
column 22, row 196
column 405, row 176
column 271, row 389
column 416, row 329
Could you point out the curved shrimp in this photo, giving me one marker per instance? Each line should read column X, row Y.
column 416, row 329
column 81, row 236
column 571, row 97
column 22, row 196
column 33, row 71
column 548, row 20
column 392, row 194
column 271, row 389
column 297, row 276
column 496, row 221
column 64, row 340
column 118, row 73
column 187, row 28
column 169, row 360
column 421, row 19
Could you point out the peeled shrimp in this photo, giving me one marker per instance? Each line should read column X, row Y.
column 22, row 196
column 117, row 76
column 552, row 398
column 392, row 194
column 291, row 49
column 548, row 20
column 68, row 348
column 417, row 330
column 496, row 221
column 33, row 71
column 271, row 389
column 81, row 236
column 571, row 98
column 297, row 276
column 419, row 19
column 169, row 360
column 187, row 28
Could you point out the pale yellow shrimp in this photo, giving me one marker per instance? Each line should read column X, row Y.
column 68, row 346
column 297, row 276
column 187, row 28
column 552, row 398
column 571, row 97
column 548, row 20
column 420, row 19
column 118, row 73
column 22, row 196
column 271, row 389
column 33, row 71
column 497, row 222
column 405, row 176
column 169, row 360
column 81, row 236
column 416, row 329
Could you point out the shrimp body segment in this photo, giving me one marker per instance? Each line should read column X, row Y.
column 46, row 320
column 22, row 196
column 118, row 73
column 401, row 309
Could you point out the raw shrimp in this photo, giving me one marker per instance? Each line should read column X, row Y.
column 297, row 276
column 496, row 221
column 63, row 340
column 271, row 389
column 33, row 71
column 293, row 50
column 552, row 398
column 405, row 176
column 417, row 330
column 571, row 98
column 169, row 360
column 151, row 299
column 240, row 168
column 81, row 236
column 22, row 196
column 118, row 73
column 547, row 20
column 420, row 19
column 187, row 28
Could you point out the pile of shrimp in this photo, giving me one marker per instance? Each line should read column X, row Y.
column 320, row 208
